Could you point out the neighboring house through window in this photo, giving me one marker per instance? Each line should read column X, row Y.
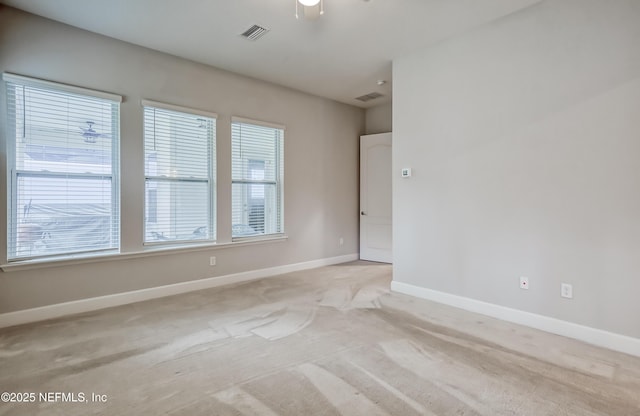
column 179, row 147
column 62, row 166
column 257, row 178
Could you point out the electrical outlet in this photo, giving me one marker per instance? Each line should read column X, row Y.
column 212, row 261
column 524, row 282
column 341, row 241
column 566, row 290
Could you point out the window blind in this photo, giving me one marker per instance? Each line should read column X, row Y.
column 62, row 159
column 179, row 174
column 257, row 169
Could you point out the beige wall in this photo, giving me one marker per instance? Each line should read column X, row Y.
column 524, row 139
column 378, row 119
column 321, row 160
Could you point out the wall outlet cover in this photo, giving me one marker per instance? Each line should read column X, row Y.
column 566, row 290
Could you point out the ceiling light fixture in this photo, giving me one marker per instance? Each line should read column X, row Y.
column 311, row 9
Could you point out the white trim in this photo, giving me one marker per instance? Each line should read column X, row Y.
column 235, row 119
column 594, row 336
column 40, row 83
column 150, row 250
column 177, row 108
column 108, row 301
column 256, row 238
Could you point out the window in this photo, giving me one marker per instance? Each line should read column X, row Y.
column 179, row 154
column 257, row 169
column 62, row 160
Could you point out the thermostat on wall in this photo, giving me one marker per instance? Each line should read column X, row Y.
column 406, row 172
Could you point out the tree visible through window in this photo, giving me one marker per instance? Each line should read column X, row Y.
column 62, row 163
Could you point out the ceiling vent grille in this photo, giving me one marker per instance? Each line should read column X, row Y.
column 369, row 97
column 255, row 32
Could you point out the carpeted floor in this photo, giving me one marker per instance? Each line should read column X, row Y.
column 329, row 341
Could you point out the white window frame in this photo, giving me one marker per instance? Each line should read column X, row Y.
column 278, row 182
column 13, row 173
column 210, row 178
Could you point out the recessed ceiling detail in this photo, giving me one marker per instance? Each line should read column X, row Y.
column 369, row 97
column 255, row 32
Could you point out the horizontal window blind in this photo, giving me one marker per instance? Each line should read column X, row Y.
column 63, row 165
column 179, row 175
column 257, row 169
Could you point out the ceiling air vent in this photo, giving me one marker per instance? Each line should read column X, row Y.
column 255, row 32
column 369, row 97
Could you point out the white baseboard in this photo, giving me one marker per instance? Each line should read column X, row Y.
column 610, row 340
column 108, row 301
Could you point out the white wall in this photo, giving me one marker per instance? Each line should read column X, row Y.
column 524, row 139
column 321, row 160
column 378, row 119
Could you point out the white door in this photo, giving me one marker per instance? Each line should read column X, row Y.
column 375, row 197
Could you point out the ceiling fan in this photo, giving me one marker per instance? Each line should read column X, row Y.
column 90, row 135
column 311, row 9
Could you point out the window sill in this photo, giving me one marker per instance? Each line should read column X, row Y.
column 149, row 251
column 257, row 238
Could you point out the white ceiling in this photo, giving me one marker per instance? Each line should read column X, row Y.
column 340, row 55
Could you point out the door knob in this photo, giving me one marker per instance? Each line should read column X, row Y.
column 363, row 213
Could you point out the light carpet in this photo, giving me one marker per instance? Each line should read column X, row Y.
column 328, row 341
